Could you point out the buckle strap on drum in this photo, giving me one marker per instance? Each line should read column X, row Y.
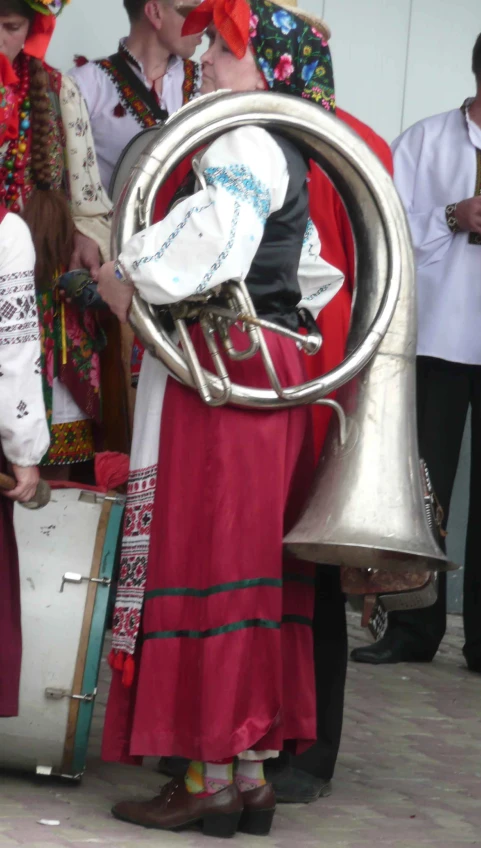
column 57, row 694
column 71, row 577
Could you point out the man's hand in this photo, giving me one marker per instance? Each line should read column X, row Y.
column 27, row 482
column 468, row 215
column 86, row 254
column 117, row 295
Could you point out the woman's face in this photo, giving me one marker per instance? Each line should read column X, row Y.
column 13, row 34
column 221, row 69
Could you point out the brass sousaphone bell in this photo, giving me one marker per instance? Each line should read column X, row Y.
column 367, row 508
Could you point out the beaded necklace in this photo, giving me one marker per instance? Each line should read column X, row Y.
column 12, row 172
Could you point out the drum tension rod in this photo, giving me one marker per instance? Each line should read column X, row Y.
column 71, row 577
column 58, row 694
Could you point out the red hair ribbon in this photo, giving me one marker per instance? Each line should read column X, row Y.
column 40, row 35
column 230, row 18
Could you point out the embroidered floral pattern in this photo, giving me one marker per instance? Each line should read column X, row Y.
column 77, row 365
column 156, row 256
column 240, row 181
column 316, row 294
column 133, row 559
column 18, row 311
column 292, row 55
column 22, row 409
column 70, row 443
column 451, row 219
column 309, row 231
column 191, row 85
column 222, row 256
column 128, row 97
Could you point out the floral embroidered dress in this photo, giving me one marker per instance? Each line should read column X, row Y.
column 70, row 340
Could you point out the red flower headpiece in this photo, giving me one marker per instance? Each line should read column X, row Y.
column 231, row 20
column 43, row 25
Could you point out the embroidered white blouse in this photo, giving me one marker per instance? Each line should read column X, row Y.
column 435, row 165
column 23, row 425
column 112, row 134
column 213, row 236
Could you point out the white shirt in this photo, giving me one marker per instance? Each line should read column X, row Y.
column 213, row 236
column 435, row 165
column 112, row 134
column 23, row 424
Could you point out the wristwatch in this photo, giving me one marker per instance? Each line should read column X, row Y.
column 120, row 274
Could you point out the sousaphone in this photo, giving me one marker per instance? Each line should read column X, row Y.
column 367, row 508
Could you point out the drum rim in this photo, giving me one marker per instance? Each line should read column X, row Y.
column 75, row 705
column 110, row 557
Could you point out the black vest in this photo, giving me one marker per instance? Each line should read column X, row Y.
column 273, row 277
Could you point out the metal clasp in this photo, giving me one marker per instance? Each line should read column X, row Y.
column 99, row 498
column 58, row 694
column 140, row 209
column 71, row 577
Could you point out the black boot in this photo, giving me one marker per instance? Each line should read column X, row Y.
column 293, row 786
column 173, row 766
column 392, row 648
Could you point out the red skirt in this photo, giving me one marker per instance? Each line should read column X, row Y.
column 226, row 660
column 10, row 622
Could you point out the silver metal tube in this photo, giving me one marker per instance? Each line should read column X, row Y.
column 364, row 185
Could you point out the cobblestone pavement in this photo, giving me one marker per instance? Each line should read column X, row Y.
column 408, row 775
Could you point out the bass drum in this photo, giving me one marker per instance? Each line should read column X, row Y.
column 68, row 552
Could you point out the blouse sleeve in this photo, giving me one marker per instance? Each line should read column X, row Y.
column 430, row 232
column 23, row 425
column 212, row 236
column 91, row 207
column 318, row 280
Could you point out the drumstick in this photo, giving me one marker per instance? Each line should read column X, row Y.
column 41, row 497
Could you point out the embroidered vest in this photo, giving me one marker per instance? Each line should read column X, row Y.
column 130, row 97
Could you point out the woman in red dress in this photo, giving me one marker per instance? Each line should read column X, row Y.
column 23, row 425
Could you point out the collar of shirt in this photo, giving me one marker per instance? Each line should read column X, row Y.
column 474, row 131
column 173, row 63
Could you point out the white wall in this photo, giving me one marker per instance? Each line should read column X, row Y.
column 395, row 61
column 90, row 28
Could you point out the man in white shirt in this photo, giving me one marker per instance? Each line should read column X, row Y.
column 437, row 171
column 150, row 77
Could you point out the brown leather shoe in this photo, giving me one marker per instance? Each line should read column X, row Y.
column 259, row 809
column 176, row 808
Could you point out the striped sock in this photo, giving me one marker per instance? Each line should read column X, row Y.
column 250, row 775
column 209, row 778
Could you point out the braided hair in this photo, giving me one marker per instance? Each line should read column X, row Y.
column 48, row 211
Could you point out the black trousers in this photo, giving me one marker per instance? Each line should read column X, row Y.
column 330, row 658
column 445, row 392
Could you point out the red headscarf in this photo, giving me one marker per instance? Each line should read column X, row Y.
column 40, row 35
column 230, row 17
